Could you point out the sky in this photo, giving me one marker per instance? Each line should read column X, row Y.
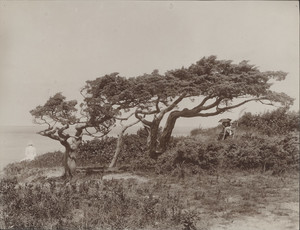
column 56, row 46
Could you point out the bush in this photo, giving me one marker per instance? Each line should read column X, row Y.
column 191, row 154
column 266, row 153
column 277, row 122
column 185, row 155
column 47, row 160
column 133, row 152
column 96, row 152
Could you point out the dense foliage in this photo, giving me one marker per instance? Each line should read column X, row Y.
column 247, row 152
column 133, row 153
column 215, row 86
column 279, row 121
column 278, row 154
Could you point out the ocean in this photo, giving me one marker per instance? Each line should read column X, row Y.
column 14, row 139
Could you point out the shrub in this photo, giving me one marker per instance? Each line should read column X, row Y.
column 277, row 122
column 191, row 154
column 47, row 160
column 266, row 153
column 96, row 151
column 133, row 152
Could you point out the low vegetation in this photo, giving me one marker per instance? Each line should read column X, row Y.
column 175, row 201
column 197, row 183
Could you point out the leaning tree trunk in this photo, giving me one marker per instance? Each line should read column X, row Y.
column 118, row 149
column 120, row 144
column 158, row 145
column 154, row 153
column 167, row 132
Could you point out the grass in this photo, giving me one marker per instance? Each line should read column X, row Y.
column 182, row 196
column 163, row 202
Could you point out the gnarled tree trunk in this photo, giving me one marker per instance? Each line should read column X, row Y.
column 158, row 144
column 167, row 132
column 69, row 159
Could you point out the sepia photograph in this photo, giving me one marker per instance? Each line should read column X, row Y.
column 149, row 115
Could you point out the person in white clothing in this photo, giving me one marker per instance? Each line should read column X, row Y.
column 30, row 152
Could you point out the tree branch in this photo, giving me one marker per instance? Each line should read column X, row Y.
column 142, row 119
column 172, row 106
column 50, row 133
column 95, row 136
column 61, row 130
column 124, row 118
column 224, row 109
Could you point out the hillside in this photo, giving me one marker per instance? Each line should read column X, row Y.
column 246, row 182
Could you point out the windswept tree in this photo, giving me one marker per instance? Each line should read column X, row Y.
column 64, row 123
column 215, row 86
column 117, row 94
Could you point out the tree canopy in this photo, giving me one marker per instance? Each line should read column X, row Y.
column 215, row 86
column 219, row 84
column 60, row 115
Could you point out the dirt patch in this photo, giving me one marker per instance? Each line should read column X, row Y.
column 274, row 204
column 46, row 173
column 267, row 220
column 125, row 176
column 54, row 172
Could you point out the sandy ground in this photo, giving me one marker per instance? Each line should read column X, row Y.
column 279, row 216
column 125, row 176
column 282, row 216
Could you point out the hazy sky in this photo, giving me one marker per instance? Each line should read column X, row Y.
column 53, row 46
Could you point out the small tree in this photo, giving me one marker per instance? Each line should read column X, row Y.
column 60, row 116
column 120, row 139
column 116, row 93
column 217, row 85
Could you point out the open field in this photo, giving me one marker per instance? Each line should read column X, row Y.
column 215, row 201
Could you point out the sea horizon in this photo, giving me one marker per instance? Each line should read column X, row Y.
column 15, row 138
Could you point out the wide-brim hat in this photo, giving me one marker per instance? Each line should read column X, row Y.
column 225, row 120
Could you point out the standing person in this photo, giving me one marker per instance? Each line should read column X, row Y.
column 226, row 129
column 30, row 152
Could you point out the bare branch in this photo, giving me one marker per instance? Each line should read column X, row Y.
column 201, row 106
column 93, row 134
column 124, row 118
column 129, row 125
column 224, row 109
column 173, row 105
column 143, row 120
column 50, row 133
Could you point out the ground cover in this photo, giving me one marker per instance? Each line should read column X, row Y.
column 40, row 199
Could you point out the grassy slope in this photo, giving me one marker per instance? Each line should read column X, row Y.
column 209, row 201
column 215, row 200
